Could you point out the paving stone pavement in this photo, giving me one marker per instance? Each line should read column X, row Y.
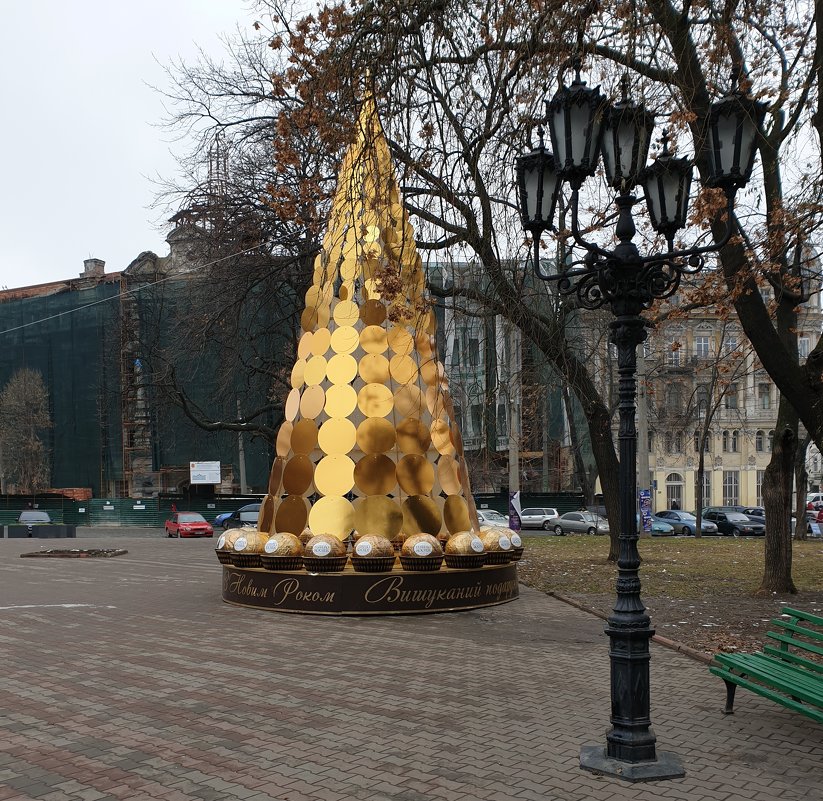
column 129, row 678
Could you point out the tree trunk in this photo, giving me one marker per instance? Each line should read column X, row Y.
column 580, row 473
column 777, row 498
column 609, row 469
column 698, row 486
column 801, row 483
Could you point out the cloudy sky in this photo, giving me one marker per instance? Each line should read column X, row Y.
column 78, row 132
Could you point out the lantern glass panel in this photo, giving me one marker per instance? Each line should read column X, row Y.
column 722, row 149
column 580, row 131
column 748, row 134
column 558, row 132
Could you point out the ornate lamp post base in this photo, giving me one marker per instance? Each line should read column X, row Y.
column 593, row 758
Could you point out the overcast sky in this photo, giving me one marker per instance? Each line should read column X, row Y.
column 77, row 133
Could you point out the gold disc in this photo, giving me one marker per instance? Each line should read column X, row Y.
column 283, row 445
column 448, row 475
column 291, row 514
column 342, row 368
column 375, row 400
column 334, row 474
column 400, row 340
column 413, row 436
column 432, row 372
column 315, row 370
column 318, row 295
column 298, row 373
column 374, row 474
column 403, row 369
column 311, row 318
column 373, row 312
column 421, row 514
column 340, row 399
column 415, row 474
column 346, row 290
column 374, row 368
column 298, row 475
column 378, row 515
column 430, row 321
column 409, row 401
column 456, row 514
column 425, row 344
column 441, row 437
column 345, row 339
column 349, row 267
column 292, row 405
column 265, row 519
column 304, row 345
column 304, row 437
column 373, row 339
column 436, row 402
column 312, row 402
column 332, row 515
column 337, row 435
column 346, row 313
column 375, row 435
column 276, row 476
column 371, row 289
column 320, row 342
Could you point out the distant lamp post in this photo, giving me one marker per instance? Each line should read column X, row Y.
column 583, row 125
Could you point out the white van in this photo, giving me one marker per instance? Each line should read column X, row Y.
column 815, row 499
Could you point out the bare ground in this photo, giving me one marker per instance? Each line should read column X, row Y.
column 699, row 592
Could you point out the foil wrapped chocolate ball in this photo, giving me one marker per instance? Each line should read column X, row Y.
column 324, row 553
column 517, row 546
column 498, row 546
column 225, row 545
column 465, row 551
column 373, row 553
column 282, row 551
column 247, row 547
column 421, row 552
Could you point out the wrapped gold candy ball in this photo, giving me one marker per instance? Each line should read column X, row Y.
column 498, row 546
column 250, row 541
column 283, row 544
column 466, row 542
column 421, row 545
column 373, row 545
column 322, row 546
column 226, row 540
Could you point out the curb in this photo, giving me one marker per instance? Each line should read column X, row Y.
column 680, row 647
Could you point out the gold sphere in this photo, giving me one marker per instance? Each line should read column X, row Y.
column 496, row 539
column 226, row 540
column 283, row 544
column 250, row 540
column 421, row 545
column 324, row 545
column 373, row 545
column 466, row 542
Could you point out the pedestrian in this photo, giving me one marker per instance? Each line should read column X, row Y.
column 675, row 505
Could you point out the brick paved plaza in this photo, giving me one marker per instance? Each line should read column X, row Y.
column 129, row 678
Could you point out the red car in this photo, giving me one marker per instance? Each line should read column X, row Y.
column 188, row 524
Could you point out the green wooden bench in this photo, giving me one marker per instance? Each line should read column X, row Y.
column 788, row 671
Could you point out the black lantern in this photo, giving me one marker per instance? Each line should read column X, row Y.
column 538, row 187
column 734, row 125
column 576, row 115
column 626, row 138
column 666, row 184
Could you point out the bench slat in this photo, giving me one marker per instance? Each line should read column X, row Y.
column 805, row 646
column 759, row 689
column 780, row 676
column 805, row 632
column 799, row 613
column 788, row 656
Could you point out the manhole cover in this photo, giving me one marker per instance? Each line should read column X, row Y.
column 77, row 553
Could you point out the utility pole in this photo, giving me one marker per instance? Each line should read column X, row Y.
column 241, row 455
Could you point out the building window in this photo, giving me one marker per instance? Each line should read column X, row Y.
column 735, row 442
column 759, row 441
column 702, row 344
column 668, row 442
column 731, row 488
column 477, row 419
column 701, row 399
column 803, row 347
column 707, row 487
column 674, row 397
column 458, row 417
column 474, row 352
column 731, row 396
column 770, row 441
column 730, row 344
column 764, row 396
column 725, row 442
column 501, row 418
column 674, row 491
column 674, row 354
column 761, row 474
column 456, row 351
column 706, row 444
column 678, row 443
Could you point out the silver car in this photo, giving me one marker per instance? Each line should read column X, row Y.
column 685, row 522
column 581, row 523
column 539, row 517
column 491, row 517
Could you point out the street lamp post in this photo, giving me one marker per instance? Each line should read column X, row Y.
column 583, row 125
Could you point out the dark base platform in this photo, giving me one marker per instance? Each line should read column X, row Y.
column 398, row 592
column 667, row 766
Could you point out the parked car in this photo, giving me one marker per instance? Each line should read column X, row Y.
column 580, row 523
column 734, row 524
column 659, row 528
column 188, row 524
column 543, row 517
column 219, row 520
column 491, row 517
column 685, row 522
column 244, row 516
column 32, row 517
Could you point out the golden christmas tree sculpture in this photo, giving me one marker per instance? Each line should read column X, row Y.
column 369, row 443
